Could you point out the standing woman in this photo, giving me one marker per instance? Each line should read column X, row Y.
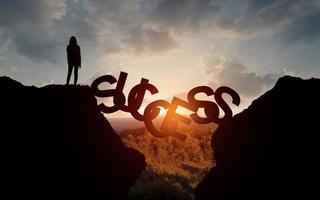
column 74, row 59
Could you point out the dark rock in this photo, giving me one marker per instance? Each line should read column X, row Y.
column 270, row 150
column 56, row 144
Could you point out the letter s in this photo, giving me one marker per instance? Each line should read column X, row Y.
column 222, row 103
column 117, row 94
column 211, row 109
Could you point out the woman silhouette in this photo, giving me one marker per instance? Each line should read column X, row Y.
column 74, row 59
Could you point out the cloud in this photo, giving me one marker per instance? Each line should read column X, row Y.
column 7, row 70
column 285, row 21
column 124, row 27
column 27, row 24
column 82, row 28
column 38, row 30
column 148, row 40
column 113, row 72
column 36, row 47
column 229, row 71
column 120, row 12
column 305, row 29
column 186, row 14
column 4, row 43
column 16, row 13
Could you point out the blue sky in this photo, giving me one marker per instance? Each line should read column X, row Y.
column 176, row 44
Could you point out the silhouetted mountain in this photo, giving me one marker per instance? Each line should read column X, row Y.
column 270, row 150
column 56, row 144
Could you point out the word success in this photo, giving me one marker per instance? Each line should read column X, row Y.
column 168, row 126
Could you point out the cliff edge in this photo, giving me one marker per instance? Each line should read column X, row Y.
column 269, row 150
column 56, row 143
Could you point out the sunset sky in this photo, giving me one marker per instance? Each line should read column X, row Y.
column 176, row 44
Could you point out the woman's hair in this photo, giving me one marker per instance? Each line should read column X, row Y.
column 73, row 41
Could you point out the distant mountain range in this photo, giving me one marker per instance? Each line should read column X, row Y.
column 125, row 123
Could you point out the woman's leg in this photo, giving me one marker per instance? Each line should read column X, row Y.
column 69, row 73
column 75, row 75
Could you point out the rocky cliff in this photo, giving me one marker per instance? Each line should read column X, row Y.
column 270, row 150
column 56, row 143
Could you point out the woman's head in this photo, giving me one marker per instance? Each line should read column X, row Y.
column 73, row 40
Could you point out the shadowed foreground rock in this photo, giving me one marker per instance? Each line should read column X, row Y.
column 270, row 150
column 56, row 143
